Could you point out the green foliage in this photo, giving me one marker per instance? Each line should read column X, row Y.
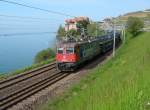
column 93, row 30
column 73, row 33
column 82, row 25
column 61, row 32
column 44, row 55
column 134, row 25
column 122, row 83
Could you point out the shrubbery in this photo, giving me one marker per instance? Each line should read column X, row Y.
column 90, row 29
column 134, row 25
column 44, row 55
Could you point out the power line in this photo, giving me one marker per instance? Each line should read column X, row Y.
column 28, row 29
column 31, row 33
column 28, row 21
column 24, row 28
column 37, row 8
column 21, row 25
column 25, row 17
column 23, row 21
column 27, row 25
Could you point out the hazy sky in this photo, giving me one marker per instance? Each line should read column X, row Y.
column 95, row 9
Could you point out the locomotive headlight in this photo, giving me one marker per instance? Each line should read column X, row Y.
column 64, row 57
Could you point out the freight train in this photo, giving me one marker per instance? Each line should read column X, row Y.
column 71, row 54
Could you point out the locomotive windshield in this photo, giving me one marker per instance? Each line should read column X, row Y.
column 69, row 50
column 60, row 50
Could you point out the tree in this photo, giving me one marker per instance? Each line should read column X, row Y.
column 44, row 55
column 61, row 31
column 82, row 25
column 93, row 30
column 134, row 25
column 72, row 32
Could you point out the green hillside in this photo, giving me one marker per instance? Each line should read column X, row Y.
column 139, row 14
column 123, row 83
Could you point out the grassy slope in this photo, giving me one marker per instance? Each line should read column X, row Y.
column 142, row 15
column 122, row 83
column 136, row 14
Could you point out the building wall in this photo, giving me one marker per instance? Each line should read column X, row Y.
column 70, row 26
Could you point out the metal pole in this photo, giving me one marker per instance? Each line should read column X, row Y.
column 124, row 35
column 114, row 41
column 96, row 30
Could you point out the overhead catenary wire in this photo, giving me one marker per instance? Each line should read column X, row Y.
column 29, row 25
column 30, row 33
column 27, row 18
column 20, row 17
column 25, row 21
column 37, row 8
column 28, row 29
column 23, row 28
column 28, row 21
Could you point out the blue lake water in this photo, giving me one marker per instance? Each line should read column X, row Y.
column 19, row 51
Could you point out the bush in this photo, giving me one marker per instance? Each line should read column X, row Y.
column 73, row 33
column 134, row 25
column 44, row 55
column 82, row 26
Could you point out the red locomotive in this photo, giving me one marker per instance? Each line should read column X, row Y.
column 70, row 55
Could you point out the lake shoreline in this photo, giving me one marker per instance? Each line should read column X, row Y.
column 19, row 51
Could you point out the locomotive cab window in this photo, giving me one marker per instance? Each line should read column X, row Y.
column 60, row 50
column 69, row 50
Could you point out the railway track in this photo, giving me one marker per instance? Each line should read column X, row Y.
column 20, row 87
column 23, row 76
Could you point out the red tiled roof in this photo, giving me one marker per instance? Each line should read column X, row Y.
column 77, row 19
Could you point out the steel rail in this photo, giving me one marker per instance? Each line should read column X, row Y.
column 20, row 95
column 26, row 75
